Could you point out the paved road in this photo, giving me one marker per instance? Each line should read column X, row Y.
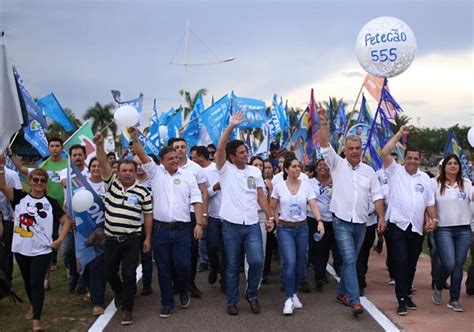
column 320, row 312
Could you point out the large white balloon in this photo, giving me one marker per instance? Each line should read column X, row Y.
column 470, row 137
column 82, row 200
column 126, row 116
column 385, row 47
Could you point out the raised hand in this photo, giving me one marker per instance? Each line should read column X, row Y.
column 405, row 130
column 132, row 131
column 98, row 139
column 236, row 119
column 323, row 115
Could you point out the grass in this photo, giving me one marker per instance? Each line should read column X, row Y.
column 62, row 311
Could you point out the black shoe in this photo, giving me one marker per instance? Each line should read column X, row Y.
column 146, row 291
column 212, row 278
column 202, row 267
column 410, row 304
column 361, row 291
column 402, row 309
column 195, row 292
column 71, row 286
column 304, row 287
column 118, row 301
column 127, row 318
column 254, row 305
column 184, row 300
column 232, row 310
column 319, row 284
column 165, row 312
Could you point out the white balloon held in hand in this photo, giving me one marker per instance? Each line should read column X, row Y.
column 82, row 200
column 126, row 116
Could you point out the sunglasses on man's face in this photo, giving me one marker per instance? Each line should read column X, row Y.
column 38, row 180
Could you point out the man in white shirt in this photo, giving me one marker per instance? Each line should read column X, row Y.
column 174, row 191
column 181, row 147
column 214, row 243
column 410, row 195
column 242, row 187
column 354, row 184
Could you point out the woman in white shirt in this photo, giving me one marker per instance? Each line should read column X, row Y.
column 291, row 198
column 453, row 235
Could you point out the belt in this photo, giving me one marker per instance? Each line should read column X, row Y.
column 292, row 224
column 173, row 224
column 123, row 238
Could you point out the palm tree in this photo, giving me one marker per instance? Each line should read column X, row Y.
column 56, row 130
column 102, row 117
column 72, row 117
column 400, row 120
column 191, row 100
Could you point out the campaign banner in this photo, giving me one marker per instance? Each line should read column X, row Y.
column 254, row 111
column 216, row 117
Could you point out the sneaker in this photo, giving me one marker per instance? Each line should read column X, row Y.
column 410, row 304
column 402, row 309
column 391, row 282
column 288, row 307
column 232, row 309
column 165, row 312
column 357, row 309
column 184, row 300
column 343, row 299
column 195, row 292
column 127, row 318
column 296, row 302
column 437, row 299
column 46, row 285
column 212, row 278
column 304, row 287
column 455, row 306
column 254, row 305
column 97, row 311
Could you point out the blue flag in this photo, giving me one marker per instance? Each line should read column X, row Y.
column 253, row 110
column 216, row 117
column 454, row 147
column 51, row 108
column 90, row 223
column 191, row 133
column 340, row 120
column 274, row 120
column 153, row 136
column 364, row 113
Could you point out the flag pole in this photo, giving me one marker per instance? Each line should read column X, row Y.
column 353, row 108
column 13, row 139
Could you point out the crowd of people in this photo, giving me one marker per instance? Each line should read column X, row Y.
column 222, row 211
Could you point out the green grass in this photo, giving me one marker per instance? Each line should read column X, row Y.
column 62, row 311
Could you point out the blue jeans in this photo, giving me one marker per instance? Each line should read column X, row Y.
column 172, row 250
column 293, row 244
column 240, row 239
column 349, row 238
column 215, row 246
column 96, row 274
column 69, row 249
column 203, row 257
column 453, row 243
column 146, row 259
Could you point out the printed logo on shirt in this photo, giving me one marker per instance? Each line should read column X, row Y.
column 324, row 189
column 177, row 181
column 251, row 183
column 294, row 211
column 419, row 188
column 53, row 176
column 132, row 200
column 28, row 221
column 462, row 195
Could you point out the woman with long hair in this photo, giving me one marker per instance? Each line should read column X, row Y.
column 37, row 219
column 453, row 235
column 291, row 198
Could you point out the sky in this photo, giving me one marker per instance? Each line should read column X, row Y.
column 80, row 50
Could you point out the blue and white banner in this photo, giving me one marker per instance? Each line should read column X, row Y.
column 454, row 147
column 51, row 108
column 274, row 121
column 253, row 110
column 216, row 117
column 191, row 132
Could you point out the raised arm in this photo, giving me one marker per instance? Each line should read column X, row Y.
column 18, row 164
column 137, row 146
column 220, row 156
column 105, row 169
column 323, row 129
column 387, row 149
column 8, row 191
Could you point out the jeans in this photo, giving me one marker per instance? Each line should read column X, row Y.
column 147, row 266
column 194, row 252
column 7, row 240
column 363, row 258
column 240, row 239
column 405, row 247
column 203, row 257
column 319, row 250
column 388, row 260
column 436, row 267
column 172, row 251
column 264, row 244
column 33, row 270
column 453, row 243
column 215, row 246
column 293, row 244
column 94, row 274
column 125, row 254
column 270, row 247
column 349, row 237
column 70, row 258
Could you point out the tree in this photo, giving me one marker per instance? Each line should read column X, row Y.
column 400, row 120
column 191, row 100
column 56, row 130
column 102, row 116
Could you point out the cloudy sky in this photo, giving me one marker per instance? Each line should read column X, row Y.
column 80, row 50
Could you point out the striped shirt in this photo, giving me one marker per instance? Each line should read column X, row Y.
column 124, row 208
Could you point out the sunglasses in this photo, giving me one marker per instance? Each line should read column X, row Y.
column 38, row 180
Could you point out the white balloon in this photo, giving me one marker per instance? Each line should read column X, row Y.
column 126, row 116
column 163, row 130
column 385, row 47
column 82, row 200
column 470, row 137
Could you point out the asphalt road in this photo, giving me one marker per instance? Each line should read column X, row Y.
column 320, row 312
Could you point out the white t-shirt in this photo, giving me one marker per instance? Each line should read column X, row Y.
column 215, row 197
column 323, row 198
column 239, row 193
column 277, row 178
column 99, row 187
column 409, row 197
column 36, row 221
column 198, row 173
column 293, row 207
column 63, row 174
column 453, row 206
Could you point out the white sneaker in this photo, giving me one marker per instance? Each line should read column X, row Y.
column 296, row 302
column 288, row 307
